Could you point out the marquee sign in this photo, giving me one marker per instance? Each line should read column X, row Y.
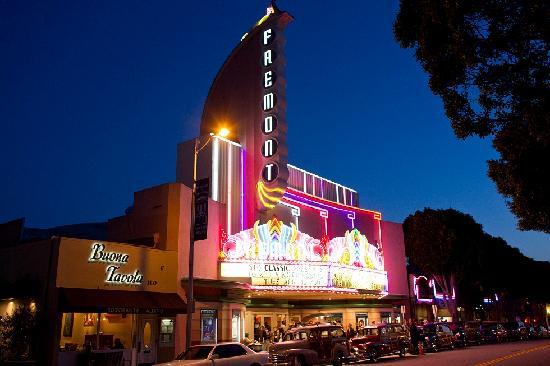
column 275, row 254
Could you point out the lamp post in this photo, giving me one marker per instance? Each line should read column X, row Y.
column 190, row 299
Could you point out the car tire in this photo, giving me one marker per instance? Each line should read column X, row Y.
column 402, row 351
column 374, row 356
column 338, row 359
column 298, row 361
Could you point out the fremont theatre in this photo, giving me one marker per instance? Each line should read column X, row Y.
column 284, row 244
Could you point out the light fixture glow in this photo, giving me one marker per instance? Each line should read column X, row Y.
column 224, row 132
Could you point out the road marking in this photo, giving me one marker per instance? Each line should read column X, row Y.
column 516, row 354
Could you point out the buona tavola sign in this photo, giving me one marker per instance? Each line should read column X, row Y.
column 115, row 266
column 115, row 261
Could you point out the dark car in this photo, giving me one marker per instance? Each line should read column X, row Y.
column 516, row 331
column 373, row 342
column 437, row 336
column 531, row 332
column 311, row 345
column 493, row 332
column 461, row 339
column 542, row 331
column 472, row 332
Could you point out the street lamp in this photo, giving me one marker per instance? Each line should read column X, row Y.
column 190, row 299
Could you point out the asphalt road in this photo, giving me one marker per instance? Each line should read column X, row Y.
column 527, row 353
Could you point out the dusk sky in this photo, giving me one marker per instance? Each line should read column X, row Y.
column 95, row 96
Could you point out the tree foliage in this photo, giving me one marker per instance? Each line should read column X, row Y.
column 16, row 334
column 488, row 60
column 446, row 244
column 443, row 244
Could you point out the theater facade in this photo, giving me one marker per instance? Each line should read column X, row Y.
column 284, row 244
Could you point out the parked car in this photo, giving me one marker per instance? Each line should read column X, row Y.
column 437, row 336
column 493, row 332
column 311, row 345
column 531, row 332
column 461, row 339
column 542, row 331
column 223, row 354
column 472, row 332
column 516, row 330
column 373, row 342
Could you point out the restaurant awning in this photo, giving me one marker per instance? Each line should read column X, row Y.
column 119, row 301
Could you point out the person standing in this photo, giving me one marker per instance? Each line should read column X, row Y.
column 415, row 337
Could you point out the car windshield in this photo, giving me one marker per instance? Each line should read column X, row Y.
column 195, row 353
column 367, row 331
column 429, row 329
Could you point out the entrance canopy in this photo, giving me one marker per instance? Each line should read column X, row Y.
column 118, row 301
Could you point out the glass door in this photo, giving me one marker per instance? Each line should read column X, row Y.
column 147, row 339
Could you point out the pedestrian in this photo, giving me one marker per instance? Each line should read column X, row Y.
column 351, row 331
column 415, row 337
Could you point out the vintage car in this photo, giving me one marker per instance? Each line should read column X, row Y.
column 311, row 345
column 222, row 354
column 437, row 336
column 493, row 332
column 373, row 342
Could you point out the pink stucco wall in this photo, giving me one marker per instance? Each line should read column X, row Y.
column 393, row 245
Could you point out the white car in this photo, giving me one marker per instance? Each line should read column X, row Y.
column 223, row 354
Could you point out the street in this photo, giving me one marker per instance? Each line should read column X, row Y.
column 529, row 353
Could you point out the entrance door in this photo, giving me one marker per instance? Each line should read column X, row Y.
column 147, row 340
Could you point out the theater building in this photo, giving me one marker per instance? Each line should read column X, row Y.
column 284, row 245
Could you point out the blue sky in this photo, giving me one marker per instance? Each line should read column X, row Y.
column 94, row 97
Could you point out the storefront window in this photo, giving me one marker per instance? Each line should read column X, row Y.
column 81, row 329
column 209, row 326
column 166, row 331
column 385, row 317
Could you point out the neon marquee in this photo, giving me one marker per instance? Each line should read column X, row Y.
column 276, row 254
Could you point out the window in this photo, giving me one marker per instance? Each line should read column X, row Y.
column 337, row 333
column 229, row 350
column 166, row 331
column 398, row 329
column 324, row 334
column 301, row 335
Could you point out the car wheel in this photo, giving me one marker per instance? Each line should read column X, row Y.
column 374, row 356
column 338, row 359
column 299, row 361
column 402, row 351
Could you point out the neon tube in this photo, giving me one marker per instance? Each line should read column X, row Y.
column 229, row 186
column 215, row 168
column 242, row 189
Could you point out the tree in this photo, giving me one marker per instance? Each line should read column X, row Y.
column 16, row 333
column 488, row 60
column 444, row 245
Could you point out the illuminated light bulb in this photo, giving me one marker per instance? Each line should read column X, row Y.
column 224, row 132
